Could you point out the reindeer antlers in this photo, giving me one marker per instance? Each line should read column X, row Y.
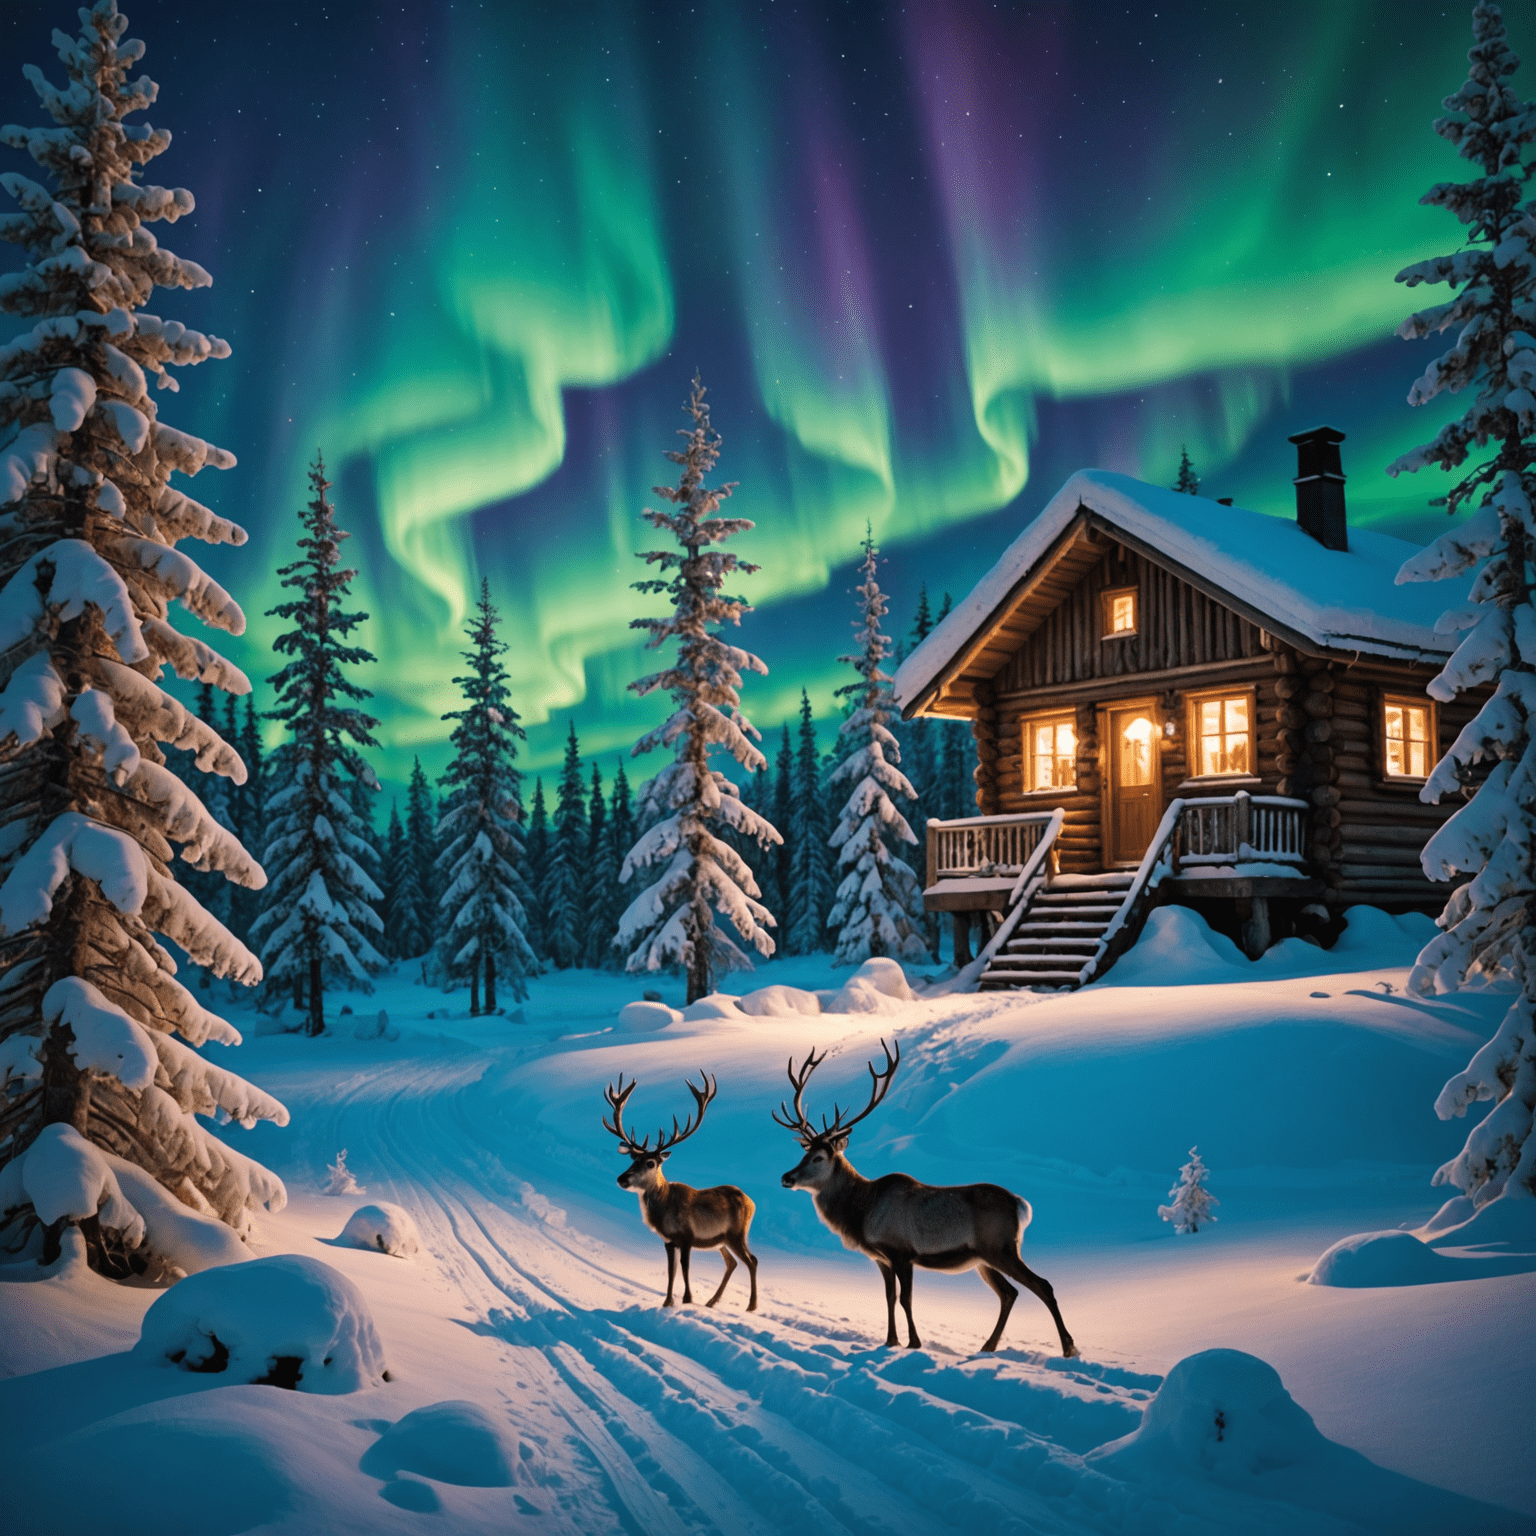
column 617, row 1096
column 794, row 1118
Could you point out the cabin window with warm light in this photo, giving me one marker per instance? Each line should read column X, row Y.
column 1050, row 751
column 1120, row 614
column 1222, row 734
column 1407, row 730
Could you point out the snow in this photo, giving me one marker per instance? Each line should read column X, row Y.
column 1308, row 1083
column 452, row 1442
column 1339, row 599
column 384, row 1227
column 246, row 1318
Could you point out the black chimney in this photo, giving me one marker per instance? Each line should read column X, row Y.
column 1320, row 486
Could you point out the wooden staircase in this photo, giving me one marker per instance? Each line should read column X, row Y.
column 1059, row 933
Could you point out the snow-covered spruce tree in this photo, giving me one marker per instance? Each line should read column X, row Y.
column 421, row 844
column 564, row 890
column 812, row 887
column 879, row 906
column 538, row 867
column 1187, row 480
column 94, row 1085
column 1489, row 923
column 479, row 824
column 394, row 859
column 604, row 860
column 776, row 860
column 319, row 917
column 673, row 922
column 250, row 812
column 1191, row 1201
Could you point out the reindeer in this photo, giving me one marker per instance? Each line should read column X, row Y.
column 899, row 1222
column 684, row 1218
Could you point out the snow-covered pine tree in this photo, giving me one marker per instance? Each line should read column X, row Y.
column 921, row 753
column 405, row 907
column 537, row 843
column 604, row 860
column 249, row 805
column 393, row 858
column 318, row 922
column 1489, row 923
column 479, row 825
column 879, row 906
column 95, row 1086
column 776, row 860
column 673, row 921
column 1191, row 1200
column 1187, row 480
column 564, row 891
column 213, row 892
column 421, row 836
column 621, row 833
column 812, row 888
column 956, row 791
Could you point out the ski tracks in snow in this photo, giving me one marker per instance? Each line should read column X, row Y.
column 693, row 1420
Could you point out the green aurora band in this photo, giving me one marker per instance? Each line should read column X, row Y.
column 929, row 263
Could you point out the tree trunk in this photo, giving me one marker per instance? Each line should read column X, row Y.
column 298, row 990
column 490, row 984
column 316, row 998
column 474, row 987
column 698, row 970
column 66, row 1089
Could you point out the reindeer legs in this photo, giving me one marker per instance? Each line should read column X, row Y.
column 903, row 1268
column 730, row 1269
column 672, row 1273
column 1005, row 1294
column 1042, row 1288
column 889, row 1276
column 686, row 1251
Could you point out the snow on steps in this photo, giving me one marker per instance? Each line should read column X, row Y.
column 1059, row 933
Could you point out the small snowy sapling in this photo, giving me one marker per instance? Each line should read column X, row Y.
column 672, row 922
column 339, row 1178
column 1191, row 1200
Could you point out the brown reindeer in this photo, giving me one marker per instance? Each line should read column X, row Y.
column 684, row 1218
column 899, row 1222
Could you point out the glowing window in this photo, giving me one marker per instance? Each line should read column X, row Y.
column 1119, row 614
column 1407, row 739
column 1224, row 735
column 1051, row 749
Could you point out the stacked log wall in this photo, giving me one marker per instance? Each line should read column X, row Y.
column 1177, row 626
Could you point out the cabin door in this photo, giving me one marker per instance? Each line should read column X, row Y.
column 1135, row 798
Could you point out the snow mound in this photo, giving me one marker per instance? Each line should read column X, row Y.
column 1378, row 938
column 647, row 1016
column 1221, row 1414
column 718, row 1005
column 452, row 1442
column 779, row 1002
column 1457, row 1210
column 288, row 1320
column 1379, row 1258
column 1177, row 946
column 376, row 1029
column 878, row 986
column 384, row 1227
column 1224, row 1417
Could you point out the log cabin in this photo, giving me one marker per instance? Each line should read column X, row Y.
column 1179, row 700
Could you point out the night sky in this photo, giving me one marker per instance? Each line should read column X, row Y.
column 930, row 259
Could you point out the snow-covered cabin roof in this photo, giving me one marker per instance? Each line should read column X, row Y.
column 1266, row 568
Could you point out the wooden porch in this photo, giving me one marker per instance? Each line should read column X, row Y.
column 1050, row 929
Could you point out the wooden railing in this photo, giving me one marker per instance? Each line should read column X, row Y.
column 984, row 845
column 1240, row 829
column 1215, row 829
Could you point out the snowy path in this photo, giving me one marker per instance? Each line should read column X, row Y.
column 538, row 1295
column 715, row 1420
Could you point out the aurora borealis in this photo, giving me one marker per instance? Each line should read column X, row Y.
column 929, row 259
